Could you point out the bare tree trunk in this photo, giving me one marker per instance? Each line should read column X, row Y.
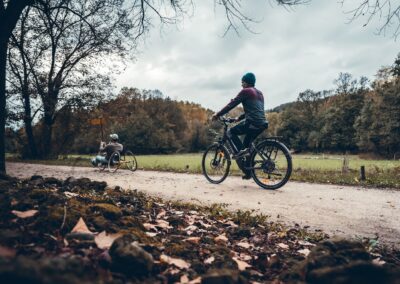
column 3, row 60
column 28, row 127
column 8, row 19
column 49, row 106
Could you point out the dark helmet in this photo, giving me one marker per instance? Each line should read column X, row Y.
column 249, row 78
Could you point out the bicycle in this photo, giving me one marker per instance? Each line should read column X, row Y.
column 118, row 160
column 270, row 160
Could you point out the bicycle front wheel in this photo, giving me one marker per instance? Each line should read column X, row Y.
column 216, row 163
column 130, row 161
column 271, row 164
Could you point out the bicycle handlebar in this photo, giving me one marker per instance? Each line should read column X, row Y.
column 227, row 119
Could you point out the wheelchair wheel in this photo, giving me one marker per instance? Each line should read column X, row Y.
column 130, row 162
column 114, row 162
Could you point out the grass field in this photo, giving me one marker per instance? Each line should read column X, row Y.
column 192, row 162
column 306, row 167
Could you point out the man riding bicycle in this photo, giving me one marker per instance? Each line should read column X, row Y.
column 107, row 150
column 254, row 122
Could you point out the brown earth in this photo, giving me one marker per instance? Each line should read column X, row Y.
column 352, row 212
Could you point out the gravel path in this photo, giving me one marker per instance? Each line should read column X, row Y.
column 338, row 210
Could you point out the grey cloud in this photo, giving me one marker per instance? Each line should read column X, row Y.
column 296, row 50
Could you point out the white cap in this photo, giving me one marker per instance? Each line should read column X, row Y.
column 114, row 136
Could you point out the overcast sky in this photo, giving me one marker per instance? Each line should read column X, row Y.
column 304, row 48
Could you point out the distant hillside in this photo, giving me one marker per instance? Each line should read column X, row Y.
column 281, row 107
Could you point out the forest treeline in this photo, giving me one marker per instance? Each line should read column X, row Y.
column 146, row 122
column 357, row 116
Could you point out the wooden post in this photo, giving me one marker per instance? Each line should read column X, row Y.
column 362, row 171
column 345, row 165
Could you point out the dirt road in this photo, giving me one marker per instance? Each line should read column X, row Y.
column 338, row 210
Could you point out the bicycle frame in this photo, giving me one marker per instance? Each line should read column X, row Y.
column 232, row 147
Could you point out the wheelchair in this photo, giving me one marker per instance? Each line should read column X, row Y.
column 120, row 160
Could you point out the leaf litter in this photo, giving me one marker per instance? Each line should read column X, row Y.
column 167, row 242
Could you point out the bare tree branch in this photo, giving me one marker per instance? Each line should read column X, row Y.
column 386, row 11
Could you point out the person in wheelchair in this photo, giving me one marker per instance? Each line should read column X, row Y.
column 106, row 150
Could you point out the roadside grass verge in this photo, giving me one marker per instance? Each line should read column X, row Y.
column 325, row 169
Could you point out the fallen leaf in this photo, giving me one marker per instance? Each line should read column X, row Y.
column 305, row 243
column 70, row 194
column 241, row 264
column 180, row 263
column 149, row 226
column 81, row 227
column 243, row 245
column 190, row 219
column 304, row 252
column 184, row 279
column 195, row 281
column 150, row 234
column 283, row 246
column 172, row 270
column 177, row 212
column 163, row 224
column 24, row 214
column 257, row 273
column 378, row 261
column 209, row 260
column 7, row 252
column 191, row 228
column 244, row 257
column 161, row 214
column 231, row 223
column 104, row 241
column 204, row 224
column 221, row 238
column 193, row 240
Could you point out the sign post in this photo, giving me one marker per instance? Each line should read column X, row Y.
column 98, row 121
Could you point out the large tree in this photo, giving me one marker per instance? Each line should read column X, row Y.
column 57, row 54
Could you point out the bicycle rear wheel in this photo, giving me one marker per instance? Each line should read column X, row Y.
column 271, row 164
column 216, row 163
column 130, row 161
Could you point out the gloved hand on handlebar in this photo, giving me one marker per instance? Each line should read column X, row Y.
column 214, row 117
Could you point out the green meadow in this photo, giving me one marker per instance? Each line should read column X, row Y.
column 314, row 168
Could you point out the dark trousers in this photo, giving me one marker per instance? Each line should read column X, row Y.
column 251, row 132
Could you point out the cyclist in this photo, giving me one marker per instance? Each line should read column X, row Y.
column 254, row 120
column 107, row 150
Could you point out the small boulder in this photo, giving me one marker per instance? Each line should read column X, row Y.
column 129, row 258
column 52, row 181
column 341, row 261
column 36, row 180
column 222, row 276
column 107, row 210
